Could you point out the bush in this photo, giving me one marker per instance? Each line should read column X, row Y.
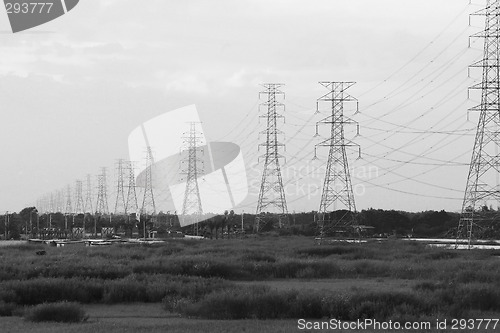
column 7, row 309
column 37, row 291
column 259, row 302
column 59, row 312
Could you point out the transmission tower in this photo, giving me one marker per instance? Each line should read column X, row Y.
column 69, row 206
column 120, row 205
column 192, row 142
column 337, row 191
column 52, row 203
column 79, row 205
column 272, row 192
column 131, row 203
column 477, row 220
column 60, row 201
column 148, row 201
column 88, row 208
column 102, row 193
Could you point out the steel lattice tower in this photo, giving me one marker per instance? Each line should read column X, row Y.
column 131, row 203
column 148, row 201
column 88, row 208
column 52, row 204
column 102, row 193
column 79, row 205
column 337, row 188
column 69, row 205
column 192, row 200
column 481, row 189
column 60, row 201
column 272, row 192
column 120, row 204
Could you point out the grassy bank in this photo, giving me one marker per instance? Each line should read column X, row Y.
column 233, row 279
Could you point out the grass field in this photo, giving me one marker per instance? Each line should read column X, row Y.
column 262, row 284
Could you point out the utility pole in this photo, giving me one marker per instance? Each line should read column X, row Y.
column 337, row 190
column 69, row 208
column 242, row 225
column 6, row 222
column 481, row 189
column 272, row 192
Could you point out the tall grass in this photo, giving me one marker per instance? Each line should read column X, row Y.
column 195, row 278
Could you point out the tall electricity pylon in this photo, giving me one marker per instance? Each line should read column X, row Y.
column 88, row 208
column 337, row 191
column 481, row 189
column 272, row 192
column 60, row 203
column 131, row 203
column 148, row 201
column 120, row 204
column 69, row 205
column 52, row 203
column 102, row 193
column 79, row 205
column 192, row 142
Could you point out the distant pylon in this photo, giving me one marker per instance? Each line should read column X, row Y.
column 192, row 143
column 88, row 208
column 272, row 192
column 131, row 202
column 337, row 190
column 120, row 205
column 69, row 205
column 52, row 203
column 79, row 205
column 148, row 201
column 477, row 220
column 60, row 201
column 102, row 193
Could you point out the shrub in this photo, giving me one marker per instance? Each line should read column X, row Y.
column 37, row 291
column 59, row 312
column 259, row 302
column 7, row 309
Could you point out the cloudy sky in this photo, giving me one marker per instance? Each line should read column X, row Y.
column 72, row 90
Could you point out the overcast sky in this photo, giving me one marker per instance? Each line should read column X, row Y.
column 72, row 90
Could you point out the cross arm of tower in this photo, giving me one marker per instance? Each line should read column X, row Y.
column 332, row 119
column 265, row 144
column 487, row 85
column 485, row 11
column 484, row 63
column 346, row 143
column 483, row 34
column 492, row 107
column 279, row 156
column 345, row 84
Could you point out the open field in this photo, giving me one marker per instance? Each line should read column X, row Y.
column 259, row 284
